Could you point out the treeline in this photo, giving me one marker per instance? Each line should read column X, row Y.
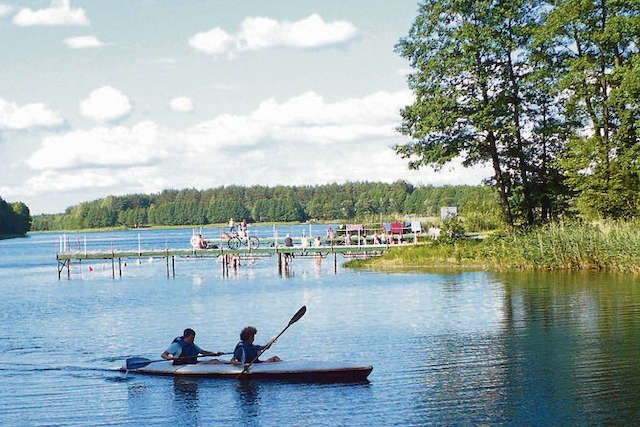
column 15, row 218
column 350, row 201
column 546, row 92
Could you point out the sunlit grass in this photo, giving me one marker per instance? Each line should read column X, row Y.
column 613, row 246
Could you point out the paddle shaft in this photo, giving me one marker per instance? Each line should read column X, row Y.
column 293, row 320
column 191, row 357
column 141, row 362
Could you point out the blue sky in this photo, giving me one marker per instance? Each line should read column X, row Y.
column 114, row 97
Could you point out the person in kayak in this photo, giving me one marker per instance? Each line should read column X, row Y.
column 184, row 351
column 246, row 351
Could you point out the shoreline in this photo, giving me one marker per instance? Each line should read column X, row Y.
column 608, row 247
column 177, row 227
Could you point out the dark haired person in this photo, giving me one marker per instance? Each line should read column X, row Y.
column 184, row 351
column 246, row 351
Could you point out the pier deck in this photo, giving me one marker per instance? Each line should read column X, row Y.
column 158, row 253
column 66, row 257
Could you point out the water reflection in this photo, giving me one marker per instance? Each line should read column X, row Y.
column 570, row 338
column 248, row 397
column 185, row 392
column 562, row 349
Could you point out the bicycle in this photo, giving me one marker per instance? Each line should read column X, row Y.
column 235, row 241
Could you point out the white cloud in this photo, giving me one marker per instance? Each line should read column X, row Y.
column 312, row 31
column 302, row 140
column 14, row 117
column 261, row 33
column 306, row 118
column 181, row 104
column 83, row 42
column 105, row 104
column 59, row 13
column 5, row 9
column 90, row 181
column 215, row 41
column 100, row 147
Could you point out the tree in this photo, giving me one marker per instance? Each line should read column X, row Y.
column 21, row 218
column 597, row 43
column 14, row 218
column 472, row 85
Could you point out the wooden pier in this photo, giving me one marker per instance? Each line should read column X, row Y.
column 284, row 254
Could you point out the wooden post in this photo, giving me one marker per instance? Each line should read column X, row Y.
column 279, row 255
column 173, row 265
column 69, row 268
column 120, row 266
column 113, row 265
column 225, row 265
column 335, row 263
column 224, row 258
column 166, row 257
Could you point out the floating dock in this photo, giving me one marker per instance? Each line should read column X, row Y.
column 284, row 254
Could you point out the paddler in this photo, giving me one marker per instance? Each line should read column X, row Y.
column 246, row 351
column 184, row 351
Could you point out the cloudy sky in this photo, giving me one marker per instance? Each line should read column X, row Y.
column 102, row 97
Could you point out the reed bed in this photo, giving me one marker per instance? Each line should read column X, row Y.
column 612, row 246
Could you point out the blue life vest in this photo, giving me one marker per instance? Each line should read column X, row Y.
column 245, row 352
column 189, row 351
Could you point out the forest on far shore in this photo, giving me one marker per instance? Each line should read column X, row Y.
column 364, row 201
column 15, row 219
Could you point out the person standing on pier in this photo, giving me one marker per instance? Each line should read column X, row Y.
column 246, row 351
column 232, row 225
column 183, row 350
column 243, row 230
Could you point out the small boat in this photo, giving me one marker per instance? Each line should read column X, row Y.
column 294, row 370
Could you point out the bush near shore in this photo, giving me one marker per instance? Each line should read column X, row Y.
column 604, row 246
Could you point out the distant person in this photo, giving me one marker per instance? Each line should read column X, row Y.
column 329, row 233
column 202, row 244
column 242, row 230
column 183, row 350
column 317, row 242
column 232, row 226
column 288, row 241
column 246, row 351
column 347, row 238
column 375, row 239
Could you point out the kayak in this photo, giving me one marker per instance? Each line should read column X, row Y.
column 294, row 370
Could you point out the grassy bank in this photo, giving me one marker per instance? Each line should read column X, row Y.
column 610, row 246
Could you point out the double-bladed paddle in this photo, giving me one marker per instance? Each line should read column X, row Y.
column 293, row 320
column 140, row 362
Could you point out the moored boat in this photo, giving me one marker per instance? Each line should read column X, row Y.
column 294, row 370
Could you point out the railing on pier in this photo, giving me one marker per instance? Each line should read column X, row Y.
column 283, row 253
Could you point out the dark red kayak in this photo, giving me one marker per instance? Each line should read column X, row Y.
column 295, row 370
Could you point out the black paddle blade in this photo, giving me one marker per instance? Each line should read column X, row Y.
column 136, row 363
column 298, row 315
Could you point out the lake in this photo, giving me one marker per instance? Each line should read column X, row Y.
column 447, row 348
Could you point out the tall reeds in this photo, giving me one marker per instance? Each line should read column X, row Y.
column 613, row 246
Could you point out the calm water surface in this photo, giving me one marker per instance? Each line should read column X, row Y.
column 463, row 348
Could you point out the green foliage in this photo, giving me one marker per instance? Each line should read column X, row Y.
column 547, row 93
column 221, row 210
column 612, row 246
column 279, row 204
column 452, row 230
column 15, row 218
column 596, row 44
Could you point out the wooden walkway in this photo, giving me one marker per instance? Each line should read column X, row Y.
column 228, row 255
